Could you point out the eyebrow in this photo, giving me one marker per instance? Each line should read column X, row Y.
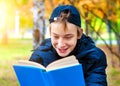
column 54, row 33
column 69, row 35
column 64, row 35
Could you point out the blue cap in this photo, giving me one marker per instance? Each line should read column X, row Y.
column 74, row 17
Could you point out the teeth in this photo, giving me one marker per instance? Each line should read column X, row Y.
column 62, row 50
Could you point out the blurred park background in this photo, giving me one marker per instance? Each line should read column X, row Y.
column 24, row 24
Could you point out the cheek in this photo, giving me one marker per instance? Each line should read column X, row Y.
column 73, row 42
column 54, row 42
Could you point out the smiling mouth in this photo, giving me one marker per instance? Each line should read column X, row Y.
column 62, row 50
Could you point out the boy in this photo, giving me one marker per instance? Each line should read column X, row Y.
column 67, row 39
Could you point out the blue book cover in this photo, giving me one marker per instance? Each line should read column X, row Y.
column 63, row 72
column 68, row 76
column 30, row 76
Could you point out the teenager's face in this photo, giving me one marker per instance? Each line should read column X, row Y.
column 64, row 40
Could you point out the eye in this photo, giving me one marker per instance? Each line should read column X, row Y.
column 55, row 37
column 68, row 37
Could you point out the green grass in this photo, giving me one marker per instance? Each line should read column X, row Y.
column 10, row 53
column 115, row 76
column 15, row 48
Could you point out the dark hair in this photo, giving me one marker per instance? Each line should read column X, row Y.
column 63, row 16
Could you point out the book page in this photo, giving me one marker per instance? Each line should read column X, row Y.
column 30, row 63
column 61, row 63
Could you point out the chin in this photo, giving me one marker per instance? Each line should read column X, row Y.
column 62, row 55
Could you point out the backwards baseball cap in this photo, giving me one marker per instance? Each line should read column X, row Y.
column 74, row 17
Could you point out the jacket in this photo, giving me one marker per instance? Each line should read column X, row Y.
column 92, row 58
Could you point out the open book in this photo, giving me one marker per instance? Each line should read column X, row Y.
column 61, row 63
column 63, row 72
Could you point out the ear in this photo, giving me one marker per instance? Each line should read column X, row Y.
column 80, row 32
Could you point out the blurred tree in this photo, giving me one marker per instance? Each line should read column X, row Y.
column 8, row 10
column 24, row 8
column 39, row 23
column 107, row 11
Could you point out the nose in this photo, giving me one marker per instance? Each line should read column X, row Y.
column 61, row 42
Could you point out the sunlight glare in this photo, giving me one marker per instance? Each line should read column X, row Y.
column 3, row 14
